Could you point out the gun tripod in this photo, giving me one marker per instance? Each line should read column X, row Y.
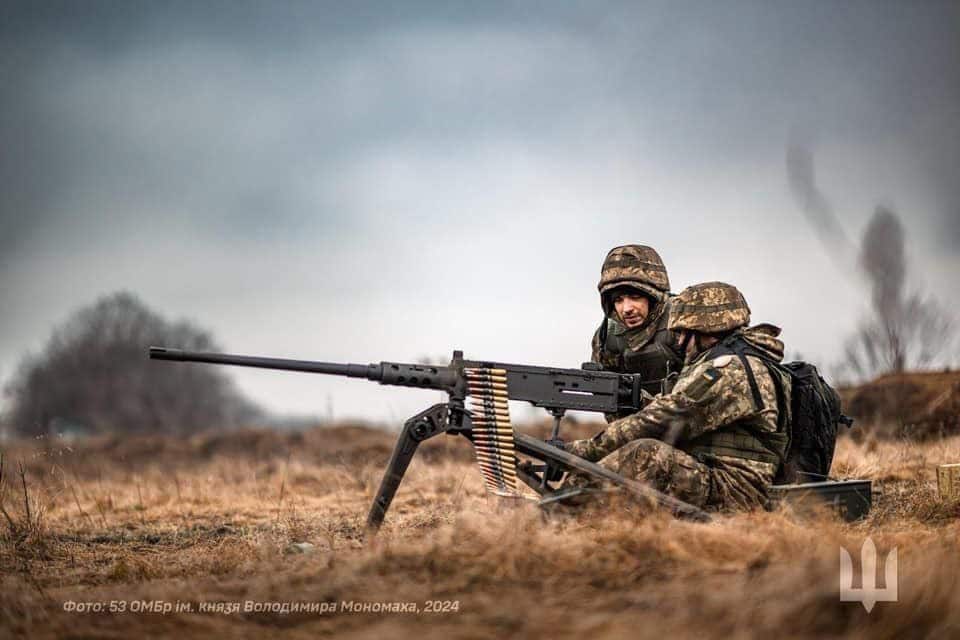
column 451, row 418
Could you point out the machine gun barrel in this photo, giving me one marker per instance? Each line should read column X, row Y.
column 392, row 373
column 370, row 372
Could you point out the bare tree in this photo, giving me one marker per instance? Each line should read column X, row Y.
column 905, row 330
column 94, row 376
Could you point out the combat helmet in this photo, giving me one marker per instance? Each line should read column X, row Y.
column 636, row 266
column 709, row 307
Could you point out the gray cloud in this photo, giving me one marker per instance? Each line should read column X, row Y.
column 223, row 155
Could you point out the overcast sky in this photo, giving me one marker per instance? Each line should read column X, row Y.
column 386, row 181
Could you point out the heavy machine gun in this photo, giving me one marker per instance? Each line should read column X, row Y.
column 486, row 423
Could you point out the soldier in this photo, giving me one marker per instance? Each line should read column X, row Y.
column 717, row 440
column 633, row 338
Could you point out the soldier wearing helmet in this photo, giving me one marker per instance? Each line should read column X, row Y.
column 634, row 338
column 717, row 439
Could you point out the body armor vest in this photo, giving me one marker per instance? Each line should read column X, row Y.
column 741, row 439
column 655, row 359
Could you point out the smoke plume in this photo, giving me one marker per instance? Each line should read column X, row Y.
column 882, row 260
column 905, row 329
column 814, row 204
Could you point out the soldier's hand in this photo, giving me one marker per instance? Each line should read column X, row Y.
column 578, row 448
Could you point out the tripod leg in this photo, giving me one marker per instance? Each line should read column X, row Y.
column 546, row 452
column 420, row 427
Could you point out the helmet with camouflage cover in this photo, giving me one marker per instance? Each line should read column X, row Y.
column 709, row 307
column 636, row 266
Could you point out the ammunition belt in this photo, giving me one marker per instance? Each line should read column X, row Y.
column 492, row 431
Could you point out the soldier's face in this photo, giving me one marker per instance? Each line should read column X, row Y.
column 695, row 344
column 632, row 309
column 686, row 339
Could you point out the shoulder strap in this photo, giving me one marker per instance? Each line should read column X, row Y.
column 603, row 334
column 737, row 346
column 754, row 389
column 775, row 370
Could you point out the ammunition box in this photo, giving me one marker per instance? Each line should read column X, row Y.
column 948, row 480
column 851, row 499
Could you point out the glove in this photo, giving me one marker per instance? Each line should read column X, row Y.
column 578, row 447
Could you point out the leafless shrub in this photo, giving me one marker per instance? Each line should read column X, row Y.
column 905, row 329
column 94, row 376
column 25, row 525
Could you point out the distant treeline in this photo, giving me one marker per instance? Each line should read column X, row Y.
column 94, row 376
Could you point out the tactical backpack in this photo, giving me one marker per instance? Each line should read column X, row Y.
column 815, row 414
column 815, row 418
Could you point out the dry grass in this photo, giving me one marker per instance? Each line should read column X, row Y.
column 211, row 519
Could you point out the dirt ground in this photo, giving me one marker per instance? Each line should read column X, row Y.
column 914, row 405
column 120, row 529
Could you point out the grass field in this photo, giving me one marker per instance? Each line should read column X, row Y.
column 209, row 521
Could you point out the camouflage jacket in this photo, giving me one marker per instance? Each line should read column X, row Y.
column 710, row 411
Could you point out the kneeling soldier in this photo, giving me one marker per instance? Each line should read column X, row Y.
column 633, row 337
column 717, row 440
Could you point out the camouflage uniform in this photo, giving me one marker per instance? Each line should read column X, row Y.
column 650, row 349
column 706, row 442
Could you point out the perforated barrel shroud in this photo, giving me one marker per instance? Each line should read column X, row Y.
column 492, row 431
